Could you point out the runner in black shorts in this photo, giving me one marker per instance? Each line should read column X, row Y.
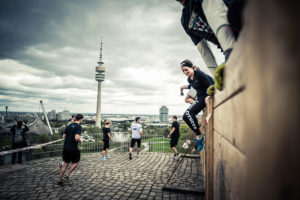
column 133, row 141
column 137, row 133
column 174, row 134
column 105, row 139
column 72, row 156
column 71, row 152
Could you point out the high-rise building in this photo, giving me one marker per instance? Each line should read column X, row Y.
column 163, row 114
column 52, row 115
column 100, row 76
column 64, row 115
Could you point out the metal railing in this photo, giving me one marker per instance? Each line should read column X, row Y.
column 94, row 143
column 148, row 144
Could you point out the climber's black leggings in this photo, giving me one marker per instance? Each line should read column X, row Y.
column 190, row 115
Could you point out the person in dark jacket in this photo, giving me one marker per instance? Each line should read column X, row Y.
column 199, row 31
column 18, row 139
column 200, row 81
column 206, row 20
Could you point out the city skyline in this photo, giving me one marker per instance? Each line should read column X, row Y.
column 49, row 50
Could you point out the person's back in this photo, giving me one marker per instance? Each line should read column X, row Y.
column 174, row 134
column 135, row 128
column 105, row 133
column 18, row 139
column 70, row 142
column 71, row 153
column 176, row 125
column 105, row 138
column 18, row 135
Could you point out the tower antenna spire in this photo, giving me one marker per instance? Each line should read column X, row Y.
column 100, row 57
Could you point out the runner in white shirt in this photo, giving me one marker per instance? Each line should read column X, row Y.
column 137, row 133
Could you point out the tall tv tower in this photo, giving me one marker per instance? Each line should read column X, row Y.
column 100, row 76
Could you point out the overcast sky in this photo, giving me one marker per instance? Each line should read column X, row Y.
column 49, row 51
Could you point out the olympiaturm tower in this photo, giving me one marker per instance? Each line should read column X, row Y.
column 100, row 76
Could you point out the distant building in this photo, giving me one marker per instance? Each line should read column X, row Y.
column 52, row 115
column 64, row 115
column 163, row 114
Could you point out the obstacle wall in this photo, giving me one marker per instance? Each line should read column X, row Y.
column 252, row 136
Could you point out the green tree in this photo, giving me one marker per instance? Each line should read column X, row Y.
column 166, row 131
column 43, row 138
column 55, row 136
column 5, row 141
column 92, row 129
column 184, row 129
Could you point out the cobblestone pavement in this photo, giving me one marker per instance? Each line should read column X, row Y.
column 188, row 175
column 116, row 178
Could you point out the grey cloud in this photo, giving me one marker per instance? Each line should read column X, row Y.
column 61, row 39
column 24, row 23
column 51, row 25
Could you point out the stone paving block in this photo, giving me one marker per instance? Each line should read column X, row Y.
column 118, row 178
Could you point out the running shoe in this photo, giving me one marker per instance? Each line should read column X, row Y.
column 200, row 143
column 106, row 156
column 177, row 157
column 103, row 158
column 67, row 179
column 130, row 156
column 137, row 155
column 58, row 183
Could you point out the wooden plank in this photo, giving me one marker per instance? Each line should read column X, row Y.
column 230, row 169
column 209, row 153
column 171, row 188
column 216, row 158
column 202, row 153
column 190, row 156
column 234, row 73
column 273, row 116
column 230, row 120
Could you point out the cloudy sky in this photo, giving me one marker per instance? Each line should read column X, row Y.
column 49, row 51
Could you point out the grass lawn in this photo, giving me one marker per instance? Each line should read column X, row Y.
column 159, row 144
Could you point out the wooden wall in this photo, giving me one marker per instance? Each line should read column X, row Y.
column 253, row 139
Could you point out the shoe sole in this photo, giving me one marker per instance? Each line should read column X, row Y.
column 55, row 184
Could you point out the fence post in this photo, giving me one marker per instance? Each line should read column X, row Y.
column 163, row 141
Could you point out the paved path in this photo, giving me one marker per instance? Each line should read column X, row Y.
column 187, row 176
column 117, row 178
